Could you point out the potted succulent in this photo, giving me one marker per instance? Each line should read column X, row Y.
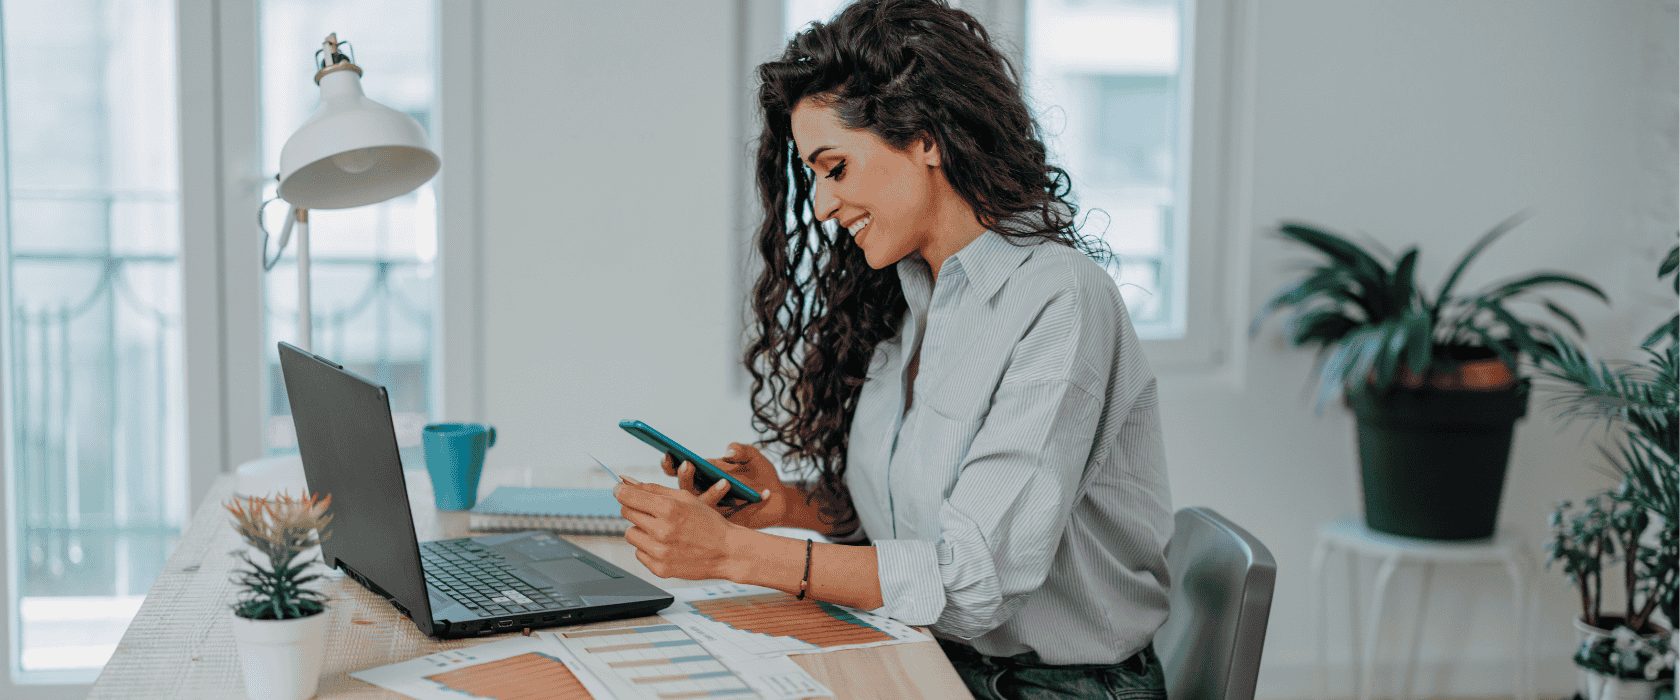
column 279, row 626
column 1432, row 379
column 1632, row 528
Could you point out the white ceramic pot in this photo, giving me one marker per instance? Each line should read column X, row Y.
column 281, row 658
column 1601, row 687
column 1593, row 685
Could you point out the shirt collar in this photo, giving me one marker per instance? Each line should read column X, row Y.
column 989, row 260
column 986, row 262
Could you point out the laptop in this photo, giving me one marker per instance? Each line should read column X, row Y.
column 449, row 588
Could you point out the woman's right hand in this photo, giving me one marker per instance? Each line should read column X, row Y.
column 750, row 467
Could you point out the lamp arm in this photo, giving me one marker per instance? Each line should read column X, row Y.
column 285, row 234
column 305, row 315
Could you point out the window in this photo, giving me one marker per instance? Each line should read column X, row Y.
column 371, row 267
column 1103, row 78
column 94, row 417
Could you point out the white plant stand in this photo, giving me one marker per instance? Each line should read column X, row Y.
column 1349, row 534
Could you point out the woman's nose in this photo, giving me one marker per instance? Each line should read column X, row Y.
column 823, row 204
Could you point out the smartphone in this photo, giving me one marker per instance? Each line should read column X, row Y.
column 705, row 475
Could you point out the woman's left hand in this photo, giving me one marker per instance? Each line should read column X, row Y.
column 676, row 534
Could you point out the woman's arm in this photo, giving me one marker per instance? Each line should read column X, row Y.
column 843, row 574
column 680, row 535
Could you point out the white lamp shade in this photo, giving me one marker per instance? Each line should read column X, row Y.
column 353, row 151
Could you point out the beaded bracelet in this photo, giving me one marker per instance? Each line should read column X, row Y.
column 805, row 581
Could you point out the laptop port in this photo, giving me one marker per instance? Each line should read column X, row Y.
column 504, row 623
column 525, row 621
column 548, row 618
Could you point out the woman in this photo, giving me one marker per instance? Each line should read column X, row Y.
column 956, row 370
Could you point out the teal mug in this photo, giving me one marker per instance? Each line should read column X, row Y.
column 454, row 458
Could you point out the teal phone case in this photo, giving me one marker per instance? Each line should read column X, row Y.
column 704, row 475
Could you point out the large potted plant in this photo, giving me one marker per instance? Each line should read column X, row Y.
column 1431, row 379
column 1631, row 529
column 279, row 626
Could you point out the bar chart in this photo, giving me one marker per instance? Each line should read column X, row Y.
column 780, row 615
column 531, row 676
column 656, row 662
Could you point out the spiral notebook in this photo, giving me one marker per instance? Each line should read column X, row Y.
column 567, row 511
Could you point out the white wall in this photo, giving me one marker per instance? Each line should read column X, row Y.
column 607, row 179
column 607, row 163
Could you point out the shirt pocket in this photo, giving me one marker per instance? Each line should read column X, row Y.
column 933, row 465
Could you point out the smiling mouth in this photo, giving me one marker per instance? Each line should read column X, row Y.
column 856, row 228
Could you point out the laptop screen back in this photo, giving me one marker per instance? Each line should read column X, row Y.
column 349, row 450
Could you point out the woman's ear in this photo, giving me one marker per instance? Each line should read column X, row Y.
column 929, row 152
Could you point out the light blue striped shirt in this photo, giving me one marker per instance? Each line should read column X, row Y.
column 1021, row 503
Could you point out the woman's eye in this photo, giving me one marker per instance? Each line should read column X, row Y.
column 838, row 169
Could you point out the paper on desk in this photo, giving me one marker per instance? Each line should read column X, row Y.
column 752, row 621
column 488, row 670
column 651, row 662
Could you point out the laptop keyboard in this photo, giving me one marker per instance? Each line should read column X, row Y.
column 480, row 579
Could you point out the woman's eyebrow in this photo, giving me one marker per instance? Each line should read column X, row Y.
column 812, row 159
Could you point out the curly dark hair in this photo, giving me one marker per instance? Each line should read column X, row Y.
column 908, row 71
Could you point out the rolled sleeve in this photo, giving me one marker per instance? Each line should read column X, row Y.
column 912, row 584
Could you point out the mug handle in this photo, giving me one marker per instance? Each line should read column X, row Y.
column 492, row 430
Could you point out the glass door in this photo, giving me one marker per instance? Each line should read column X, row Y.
column 92, row 374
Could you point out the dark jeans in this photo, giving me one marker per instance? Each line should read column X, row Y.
column 1023, row 677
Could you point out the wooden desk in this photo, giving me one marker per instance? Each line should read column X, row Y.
column 180, row 644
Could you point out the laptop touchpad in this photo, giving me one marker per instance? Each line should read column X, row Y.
column 568, row 570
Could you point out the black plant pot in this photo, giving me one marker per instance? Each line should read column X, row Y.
column 1432, row 461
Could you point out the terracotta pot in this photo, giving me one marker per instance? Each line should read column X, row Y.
column 1471, row 375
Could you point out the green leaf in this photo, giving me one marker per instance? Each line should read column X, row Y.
column 1364, row 347
column 1422, row 343
column 1475, row 249
column 1669, row 264
column 1390, row 348
column 1567, row 317
column 1403, row 285
column 1351, row 256
column 1670, row 330
column 1333, row 284
column 1515, row 287
column 1322, row 327
column 1331, row 370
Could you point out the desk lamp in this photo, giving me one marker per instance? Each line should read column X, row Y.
column 352, row 152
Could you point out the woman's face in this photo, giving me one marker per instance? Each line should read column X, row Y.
column 888, row 201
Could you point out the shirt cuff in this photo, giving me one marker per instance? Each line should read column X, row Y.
column 912, row 590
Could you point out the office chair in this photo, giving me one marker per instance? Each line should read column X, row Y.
column 1221, row 597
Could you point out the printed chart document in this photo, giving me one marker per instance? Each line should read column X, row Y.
column 662, row 662
column 736, row 620
column 523, row 667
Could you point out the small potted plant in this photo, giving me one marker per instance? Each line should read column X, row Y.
column 279, row 626
column 1634, row 525
column 1620, row 657
column 1432, row 379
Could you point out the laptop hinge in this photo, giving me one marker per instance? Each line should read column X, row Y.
column 381, row 591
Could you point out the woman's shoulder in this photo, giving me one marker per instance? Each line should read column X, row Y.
column 1057, row 270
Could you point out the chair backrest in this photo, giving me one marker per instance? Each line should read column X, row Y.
column 1221, row 598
